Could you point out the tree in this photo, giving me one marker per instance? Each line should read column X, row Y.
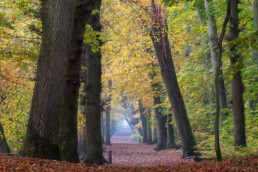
column 170, row 132
column 93, row 89
column 237, row 86
column 214, row 41
column 108, row 109
column 163, row 53
column 43, row 127
column 255, row 9
column 216, row 79
column 149, row 132
column 144, row 121
column 68, row 120
column 4, row 148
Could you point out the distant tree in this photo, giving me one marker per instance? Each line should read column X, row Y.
column 43, row 126
column 108, row 110
column 144, row 121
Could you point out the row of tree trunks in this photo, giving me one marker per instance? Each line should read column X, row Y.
column 68, row 123
column 161, row 45
column 43, row 126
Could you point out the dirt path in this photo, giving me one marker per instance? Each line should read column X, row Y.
column 139, row 155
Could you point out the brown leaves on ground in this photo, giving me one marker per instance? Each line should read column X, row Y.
column 131, row 157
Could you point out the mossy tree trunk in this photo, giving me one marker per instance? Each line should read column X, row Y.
column 41, row 139
column 94, row 153
column 68, row 120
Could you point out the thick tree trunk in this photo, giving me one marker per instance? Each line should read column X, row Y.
column 43, row 126
column 108, row 109
column 161, row 44
column 144, row 121
column 170, row 132
column 214, row 40
column 237, row 84
column 4, row 148
column 68, row 120
column 93, row 89
column 149, row 133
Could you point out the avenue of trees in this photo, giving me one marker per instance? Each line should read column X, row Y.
column 182, row 74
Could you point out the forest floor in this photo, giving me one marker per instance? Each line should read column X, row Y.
column 131, row 157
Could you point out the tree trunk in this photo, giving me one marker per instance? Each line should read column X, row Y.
column 160, row 118
column 155, row 132
column 108, row 109
column 149, row 133
column 93, row 89
column 103, row 132
column 253, row 102
column 4, row 148
column 237, row 84
column 144, row 121
column 216, row 79
column 68, row 120
column 255, row 9
column 170, row 132
column 161, row 44
column 43, row 126
column 84, row 142
column 214, row 40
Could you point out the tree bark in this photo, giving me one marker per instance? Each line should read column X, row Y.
column 68, row 121
column 161, row 44
column 4, row 148
column 214, row 40
column 255, row 9
column 160, row 118
column 237, row 84
column 216, row 79
column 103, row 132
column 170, row 132
column 108, row 109
column 43, row 126
column 144, row 121
column 93, row 89
column 149, row 133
